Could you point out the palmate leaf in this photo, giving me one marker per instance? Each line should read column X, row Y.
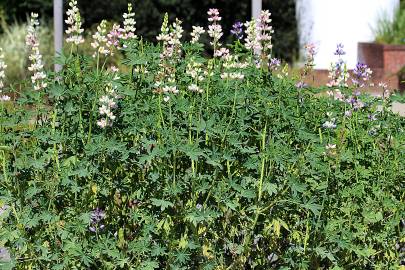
column 163, row 204
column 372, row 217
column 324, row 253
column 181, row 257
column 149, row 265
column 312, row 206
column 158, row 250
column 192, row 151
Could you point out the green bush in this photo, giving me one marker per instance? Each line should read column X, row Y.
column 249, row 173
column 392, row 31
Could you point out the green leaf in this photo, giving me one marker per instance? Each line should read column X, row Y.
column 162, row 203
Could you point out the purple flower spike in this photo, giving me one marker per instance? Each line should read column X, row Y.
column 4, row 255
column 237, row 30
column 339, row 50
column 274, row 64
column 362, row 73
column 96, row 216
column 301, row 85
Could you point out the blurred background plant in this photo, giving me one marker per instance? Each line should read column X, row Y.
column 12, row 40
column 149, row 15
column 392, row 31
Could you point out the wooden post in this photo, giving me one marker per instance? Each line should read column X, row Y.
column 256, row 8
column 58, row 29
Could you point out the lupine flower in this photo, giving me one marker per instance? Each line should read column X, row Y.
column 100, row 41
column 330, row 150
column 96, row 216
column 237, row 30
column 107, row 105
column 197, row 32
column 4, row 255
column 32, row 41
column 362, row 73
column 252, row 41
column 348, row 113
column 170, row 89
column 355, row 102
column 232, row 68
column 129, row 24
column 114, row 70
column 274, row 64
column 330, row 124
column 232, row 75
column 214, row 29
column 222, row 52
column 386, row 91
column 164, row 30
column 3, row 67
column 195, row 71
column 337, row 95
column 74, row 23
column 171, row 39
column 265, row 31
column 301, row 85
column 310, row 59
column 339, row 50
column 330, row 146
column 171, row 52
column 194, row 88
column 338, row 74
column 114, row 37
column 3, row 209
column 259, row 36
column 372, row 117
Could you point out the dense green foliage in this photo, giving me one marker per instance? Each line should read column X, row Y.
column 179, row 160
column 236, row 177
column 149, row 16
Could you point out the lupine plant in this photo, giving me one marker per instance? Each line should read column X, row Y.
column 195, row 162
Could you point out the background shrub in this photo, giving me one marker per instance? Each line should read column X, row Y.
column 149, row 15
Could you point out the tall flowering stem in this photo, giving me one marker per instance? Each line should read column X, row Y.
column 129, row 24
column 259, row 37
column 338, row 73
column 237, row 30
column 233, row 68
column 37, row 67
column 114, row 37
column 195, row 71
column 3, row 67
column 170, row 55
column 265, row 32
column 197, row 32
column 361, row 74
column 214, row 29
column 74, row 23
column 310, row 58
column 100, row 41
column 252, row 42
column 309, row 64
column 108, row 103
